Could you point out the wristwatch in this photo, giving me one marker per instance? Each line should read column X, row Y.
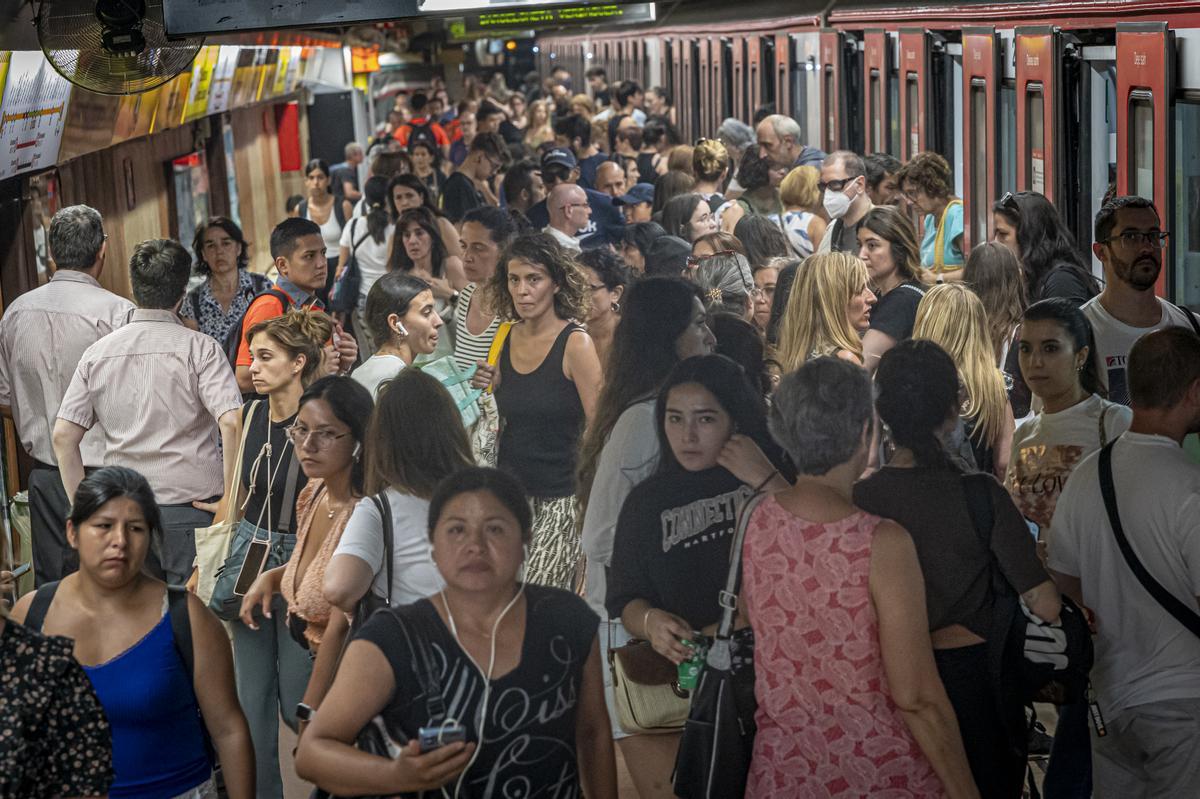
column 304, row 712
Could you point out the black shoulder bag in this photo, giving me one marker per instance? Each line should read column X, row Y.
column 1170, row 603
column 344, row 298
column 718, row 737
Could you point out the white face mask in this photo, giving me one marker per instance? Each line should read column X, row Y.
column 836, row 203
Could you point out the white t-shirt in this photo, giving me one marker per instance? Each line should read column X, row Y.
column 569, row 243
column 376, row 370
column 1114, row 339
column 372, row 255
column 1142, row 653
column 629, row 456
column 414, row 576
column 1046, row 449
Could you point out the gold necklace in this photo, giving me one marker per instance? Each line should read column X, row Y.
column 330, row 509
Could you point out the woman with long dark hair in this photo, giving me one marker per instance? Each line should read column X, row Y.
column 220, row 302
column 1029, row 225
column 406, row 191
column 367, row 239
column 320, row 206
column 923, row 488
column 887, row 244
column 670, row 551
column 994, row 274
column 688, row 217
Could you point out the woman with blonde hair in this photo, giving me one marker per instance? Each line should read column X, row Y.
column 828, row 310
column 710, row 167
column 582, row 105
column 801, row 199
column 538, row 129
column 953, row 317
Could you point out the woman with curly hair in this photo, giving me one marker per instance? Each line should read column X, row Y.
column 546, row 382
column 928, row 184
column 828, row 310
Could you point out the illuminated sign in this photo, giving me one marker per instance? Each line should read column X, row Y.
column 525, row 18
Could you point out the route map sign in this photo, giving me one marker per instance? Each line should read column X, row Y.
column 33, row 111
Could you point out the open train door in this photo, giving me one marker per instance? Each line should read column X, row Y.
column 704, row 50
column 1145, row 57
column 690, row 102
column 738, row 44
column 877, row 59
column 783, row 83
column 914, row 100
column 1039, row 110
column 833, row 100
column 980, row 134
column 806, row 80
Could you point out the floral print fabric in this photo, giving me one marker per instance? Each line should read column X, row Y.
column 827, row 725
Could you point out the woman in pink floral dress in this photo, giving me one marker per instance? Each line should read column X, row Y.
column 849, row 699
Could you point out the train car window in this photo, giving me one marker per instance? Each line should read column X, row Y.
column 1008, row 137
column 1141, row 144
column 831, row 100
column 1185, row 231
column 189, row 181
column 981, row 201
column 876, row 135
column 912, row 113
column 893, row 106
column 767, row 70
column 1035, row 135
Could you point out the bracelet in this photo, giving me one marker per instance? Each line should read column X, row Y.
column 645, row 619
column 763, row 484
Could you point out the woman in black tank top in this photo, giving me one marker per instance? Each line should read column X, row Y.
column 546, row 383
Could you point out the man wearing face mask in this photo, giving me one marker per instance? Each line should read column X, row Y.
column 844, row 194
column 1129, row 241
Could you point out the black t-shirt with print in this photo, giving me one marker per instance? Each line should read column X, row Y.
column 672, row 544
column 529, row 732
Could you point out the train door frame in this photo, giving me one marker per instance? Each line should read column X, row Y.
column 704, row 64
column 1145, row 55
column 738, row 49
column 806, row 84
column 830, row 83
column 980, row 72
column 1039, row 75
column 915, row 49
column 688, row 101
column 876, row 76
column 754, row 85
column 769, row 85
column 783, row 83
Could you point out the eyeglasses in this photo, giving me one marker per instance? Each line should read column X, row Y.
column 1130, row 239
column 834, row 185
column 694, row 261
column 321, row 439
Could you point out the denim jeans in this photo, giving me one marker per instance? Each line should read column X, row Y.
column 271, row 669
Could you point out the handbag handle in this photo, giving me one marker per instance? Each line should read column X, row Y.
column 729, row 598
column 232, row 509
column 1169, row 602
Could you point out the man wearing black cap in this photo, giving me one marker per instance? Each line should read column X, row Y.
column 637, row 204
column 605, row 226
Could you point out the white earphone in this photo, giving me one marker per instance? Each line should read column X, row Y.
column 401, row 329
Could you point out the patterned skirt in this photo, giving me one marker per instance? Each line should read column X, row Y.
column 555, row 557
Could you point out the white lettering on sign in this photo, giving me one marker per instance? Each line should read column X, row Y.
column 910, row 55
column 976, row 55
column 1139, row 59
column 1033, row 61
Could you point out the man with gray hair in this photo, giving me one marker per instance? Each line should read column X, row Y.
column 43, row 334
column 161, row 392
column 779, row 142
column 846, row 199
column 343, row 177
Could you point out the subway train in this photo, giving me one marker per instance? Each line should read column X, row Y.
column 1070, row 99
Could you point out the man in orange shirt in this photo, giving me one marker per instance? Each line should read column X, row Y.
column 423, row 125
column 299, row 252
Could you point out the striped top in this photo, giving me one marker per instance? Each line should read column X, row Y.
column 157, row 388
column 469, row 348
column 43, row 334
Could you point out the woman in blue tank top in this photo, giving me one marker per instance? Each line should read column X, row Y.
column 162, row 719
column 546, row 384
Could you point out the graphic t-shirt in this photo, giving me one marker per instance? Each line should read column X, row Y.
column 1048, row 447
column 1114, row 339
column 672, row 542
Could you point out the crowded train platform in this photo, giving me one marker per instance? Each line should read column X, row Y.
column 533, row 401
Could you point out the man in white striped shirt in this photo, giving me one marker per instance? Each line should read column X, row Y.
column 161, row 392
column 43, row 333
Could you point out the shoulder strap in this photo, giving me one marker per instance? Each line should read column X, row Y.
column 302, row 209
column 1103, row 432
column 939, row 241
column 423, row 665
column 232, row 511
column 289, row 492
column 357, row 244
column 40, row 605
column 194, row 296
column 1182, row 613
column 1191, row 317
column 384, row 506
column 339, row 212
column 979, row 505
column 181, row 632
column 729, row 598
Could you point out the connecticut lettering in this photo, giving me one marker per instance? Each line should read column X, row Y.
column 679, row 525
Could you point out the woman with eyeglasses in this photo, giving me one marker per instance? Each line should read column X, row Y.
column 688, row 217
column 927, row 183
column 726, row 284
column 607, row 278
column 271, row 668
column 1029, row 225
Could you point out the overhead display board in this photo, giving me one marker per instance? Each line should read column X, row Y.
column 558, row 16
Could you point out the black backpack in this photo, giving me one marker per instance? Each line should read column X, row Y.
column 423, row 133
column 233, row 341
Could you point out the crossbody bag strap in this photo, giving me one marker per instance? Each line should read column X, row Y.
column 1170, row 603
column 40, row 605
column 1103, row 432
column 384, row 506
column 1191, row 317
column 729, row 597
column 232, row 510
column 289, row 490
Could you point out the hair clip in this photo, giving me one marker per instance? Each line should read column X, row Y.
column 714, row 295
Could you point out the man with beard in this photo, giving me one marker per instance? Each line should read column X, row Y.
column 1129, row 242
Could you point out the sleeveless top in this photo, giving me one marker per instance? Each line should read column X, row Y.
column 543, row 419
column 468, row 347
column 331, row 231
column 158, row 743
column 827, row 725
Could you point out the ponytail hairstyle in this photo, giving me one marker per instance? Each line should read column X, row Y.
column 916, row 391
column 390, row 294
column 1067, row 315
column 298, row 332
column 375, row 207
